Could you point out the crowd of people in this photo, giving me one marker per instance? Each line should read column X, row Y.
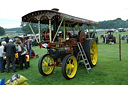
column 9, row 49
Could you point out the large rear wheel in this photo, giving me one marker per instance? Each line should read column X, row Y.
column 90, row 48
column 46, row 65
column 69, row 66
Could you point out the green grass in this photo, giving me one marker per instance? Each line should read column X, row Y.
column 109, row 70
column 11, row 36
column 10, row 31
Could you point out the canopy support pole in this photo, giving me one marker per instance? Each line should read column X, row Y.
column 89, row 31
column 58, row 29
column 50, row 35
column 39, row 31
column 64, row 30
column 33, row 33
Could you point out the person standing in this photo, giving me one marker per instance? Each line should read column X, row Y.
column 123, row 38
column 7, row 39
column 22, row 55
column 2, row 54
column 103, row 39
column 127, row 38
column 28, row 46
column 10, row 50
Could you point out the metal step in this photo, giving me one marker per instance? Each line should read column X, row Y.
column 89, row 68
column 82, row 54
column 87, row 63
column 85, row 59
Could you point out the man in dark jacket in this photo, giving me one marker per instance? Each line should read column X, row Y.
column 10, row 50
column 28, row 47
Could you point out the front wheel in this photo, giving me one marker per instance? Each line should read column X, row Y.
column 46, row 65
column 69, row 66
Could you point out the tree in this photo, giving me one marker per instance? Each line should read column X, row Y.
column 2, row 31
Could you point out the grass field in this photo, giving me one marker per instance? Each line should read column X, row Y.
column 109, row 70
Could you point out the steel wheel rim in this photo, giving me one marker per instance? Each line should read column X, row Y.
column 47, row 64
column 71, row 67
column 94, row 53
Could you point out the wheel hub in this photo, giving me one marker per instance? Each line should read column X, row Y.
column 70, row 66
column 45, row 64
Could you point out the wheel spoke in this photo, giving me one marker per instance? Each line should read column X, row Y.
column 47, row 68
column 48, row 59
column 66, row 68
column 69, row 61
column 44, row 69
column 45, row 60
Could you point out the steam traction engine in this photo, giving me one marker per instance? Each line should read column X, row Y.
column 64, row 41
column 110, row 37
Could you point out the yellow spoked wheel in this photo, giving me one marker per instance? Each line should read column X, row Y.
column 69, row 66
column 46, row 65
column 91, row 50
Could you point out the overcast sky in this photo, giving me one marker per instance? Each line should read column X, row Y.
column 11, row 11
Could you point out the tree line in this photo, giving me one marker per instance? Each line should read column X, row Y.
column 17, row 30
column 117, row 23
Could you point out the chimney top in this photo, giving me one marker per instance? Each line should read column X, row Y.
column 55, row 9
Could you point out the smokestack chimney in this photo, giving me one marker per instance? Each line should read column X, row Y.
column 55, row 9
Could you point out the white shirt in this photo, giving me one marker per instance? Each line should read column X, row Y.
column 2, row 53
column 20, row 49
column 28, row 45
